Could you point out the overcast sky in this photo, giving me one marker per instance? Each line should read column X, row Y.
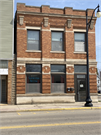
column 76, row 4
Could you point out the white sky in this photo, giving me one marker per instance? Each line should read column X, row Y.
column 76, row 4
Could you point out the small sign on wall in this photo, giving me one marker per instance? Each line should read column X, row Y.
column 81, row 86
column 3, row 71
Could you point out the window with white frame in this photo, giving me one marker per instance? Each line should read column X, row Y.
column 79, row 42
column 57, row 41
column 33, row 40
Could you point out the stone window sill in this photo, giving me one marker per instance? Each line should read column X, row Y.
column 81, row 52
column 33, row 50
column 57, row 51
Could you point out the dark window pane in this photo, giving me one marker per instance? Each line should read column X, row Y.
column 57, row 68
column 58, row 83
column 33, row 68
column 58, row 78
column 78, row 69
column 33, row 40
column 3, row 64
column 33, row 84
column 57, row 41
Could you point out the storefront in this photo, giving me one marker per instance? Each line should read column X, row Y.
column 3, row 80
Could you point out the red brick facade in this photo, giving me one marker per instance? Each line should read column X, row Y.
column 33, row 17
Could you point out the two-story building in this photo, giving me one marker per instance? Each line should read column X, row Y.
column 51, row 55
column 7, row 55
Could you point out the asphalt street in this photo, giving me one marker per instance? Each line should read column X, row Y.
column 70, row 122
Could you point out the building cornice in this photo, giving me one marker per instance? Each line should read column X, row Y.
column 54, row 15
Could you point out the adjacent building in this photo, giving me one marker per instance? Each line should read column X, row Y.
column 7, row 57
column 99, row 82
column 51, row 55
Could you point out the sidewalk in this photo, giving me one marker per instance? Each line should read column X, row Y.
column 47, row 107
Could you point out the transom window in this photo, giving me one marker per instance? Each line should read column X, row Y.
column 79, row 42
column 33, row 68
column 80, row 69
column 57, row 41
column 58, row 68
column 33, row 40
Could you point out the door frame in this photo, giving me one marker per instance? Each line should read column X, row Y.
column 3, row 77
column 76, row 85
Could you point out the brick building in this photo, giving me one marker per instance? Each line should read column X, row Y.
column 51, row 55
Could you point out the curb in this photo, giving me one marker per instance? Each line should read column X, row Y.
column 53, row 109
column 56, row 109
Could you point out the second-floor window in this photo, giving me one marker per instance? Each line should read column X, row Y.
column 80, row 42
column 33, row 40
column 57, row 41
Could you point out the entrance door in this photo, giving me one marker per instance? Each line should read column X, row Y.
column 4, row 96
column 80, row 87
column 3, row 89
column 81, row 91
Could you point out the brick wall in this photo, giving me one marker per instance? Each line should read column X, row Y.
column 9, row 82
column 20, row 87
column 45, row 43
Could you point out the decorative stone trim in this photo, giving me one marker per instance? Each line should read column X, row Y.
column 69, row 22
column 45, row 65
column 20, row 65
column 51, row 94
column 33, row 50
column 29, row 59
column 20, row 72
column 69, row 73
column 47, row 59
column 21, row 20
column 45, row 30
column 92, row 73
column 46, row 22
column 69, row 31
column 81, row 52
column 57, row 51
column 69, row 65
column 79, row 30
column 31, row 27
column 54, row 15
column 57, row 29
column 46, row 73
column 95, row 66
column 92, row 24
column 21, row 28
